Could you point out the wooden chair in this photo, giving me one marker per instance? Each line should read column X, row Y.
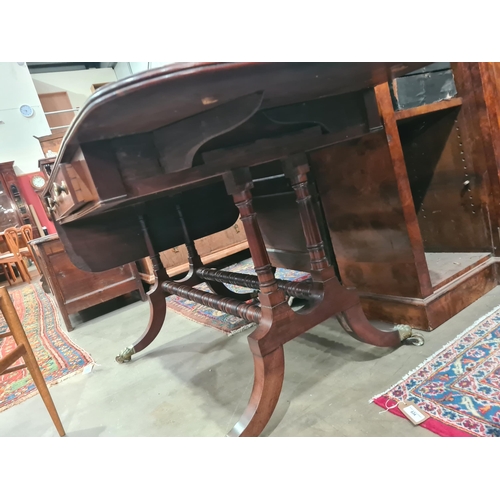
column 23, row 350
column 25, row 250
column 14, row 257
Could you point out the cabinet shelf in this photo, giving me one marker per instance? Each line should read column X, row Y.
column 428, row 108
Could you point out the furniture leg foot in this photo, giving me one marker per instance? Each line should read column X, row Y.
column 408, row 336
column 23, row 271
column 126, row 355
column 158, row 311
column 12, row 273
column 269, row 373
column 7, row 274
column 354, row 322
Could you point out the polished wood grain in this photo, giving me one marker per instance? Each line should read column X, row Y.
column 474, row 126
column 446, row 301
column 403, row 185
column 445, row 187
column 177, row 154
column 480, row 81
column 75, row 290
column 370, row 237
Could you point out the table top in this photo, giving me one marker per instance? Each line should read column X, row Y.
column 165, row 137
column 160, row 97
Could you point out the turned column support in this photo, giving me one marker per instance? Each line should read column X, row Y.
column 239, row 185
column 296, row 169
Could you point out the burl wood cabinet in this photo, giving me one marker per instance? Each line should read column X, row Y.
column 75, row 290
column 421, row 241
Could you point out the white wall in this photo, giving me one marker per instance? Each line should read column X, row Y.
column 76, row 83
column 16, row 132
column 124, row 69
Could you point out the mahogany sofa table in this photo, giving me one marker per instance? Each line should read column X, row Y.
column 172, row 155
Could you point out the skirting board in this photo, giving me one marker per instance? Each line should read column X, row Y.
column 444, row 303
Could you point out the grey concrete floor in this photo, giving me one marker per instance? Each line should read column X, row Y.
column 195, row 381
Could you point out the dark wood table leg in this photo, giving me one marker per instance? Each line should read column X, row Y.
column 269, row 365
column 157, row 303
column 268, row 380
column 157, row 313
column 352, row 318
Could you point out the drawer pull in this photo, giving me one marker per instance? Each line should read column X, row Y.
column 60, row 188
column 51, row 204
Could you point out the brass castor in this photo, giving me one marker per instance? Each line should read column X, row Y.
column 408, row 336
column 126, row 355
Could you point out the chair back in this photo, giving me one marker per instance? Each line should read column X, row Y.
column 10, row 235
column 27, row 234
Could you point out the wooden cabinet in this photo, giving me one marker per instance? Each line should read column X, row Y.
column 45, row 166
column 75, row 290
column 14, row 212
column 421, row 241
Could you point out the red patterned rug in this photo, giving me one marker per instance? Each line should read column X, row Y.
column 459, row 386
column 219, row 320
column 57, row 356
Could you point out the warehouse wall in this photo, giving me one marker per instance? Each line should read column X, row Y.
column 16, row 132
column 124, row 69
column 76, row 83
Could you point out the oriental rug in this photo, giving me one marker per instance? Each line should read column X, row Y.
column 458, row 386
column 221, row 321
column 57, row 356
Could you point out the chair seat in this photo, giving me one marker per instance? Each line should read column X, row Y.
column 6, row 255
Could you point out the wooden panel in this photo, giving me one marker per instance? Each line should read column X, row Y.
column 222, row 244
column 137, row 157
column 495, row 68
column 433, row 311
column 445, row 188
column 359, row 194
column 459, row 294
column 57, row 101
column 475, row 132
column 428, row 108
column 281, row 228
column 174, row 257
column 51, row 143
column 120, row 239
column 391, row 309
column 95, row 297
column 75, row 283
column 76, row 181
column 227, row 238
column 103, row 167
column 74, row 289
column 446, row 266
